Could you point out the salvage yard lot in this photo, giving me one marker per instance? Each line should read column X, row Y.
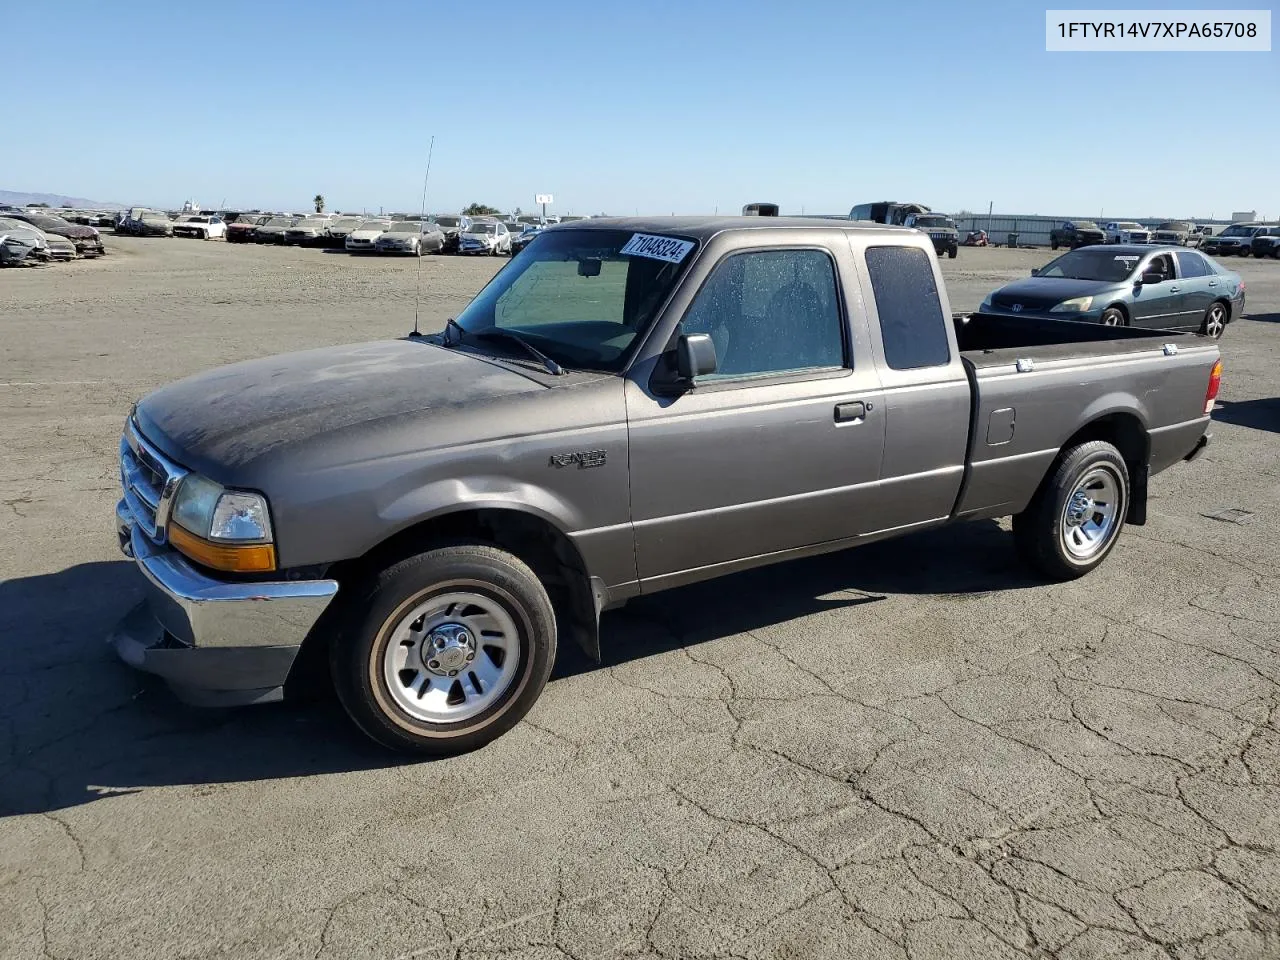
column 909, row 750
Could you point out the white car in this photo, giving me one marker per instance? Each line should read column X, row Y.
column 485, row 237
column 47, row 245
column 201, row 227
column 363, row 238
column 1126, row 231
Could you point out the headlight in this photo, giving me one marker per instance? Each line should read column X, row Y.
column 1074, row 305
column 220, row 528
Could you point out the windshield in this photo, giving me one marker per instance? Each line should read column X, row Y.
column 1096, row 264
column 483, row 228
column 933, row 222
column 1238, row 231
column 1176, row 226
column 279, row 222
column 1086, row 225
column 311, row 223
column 577, row 297
column 374, row 224
column 1130, row 226
column 405, row 226
column 345, row 222
column 447, row 221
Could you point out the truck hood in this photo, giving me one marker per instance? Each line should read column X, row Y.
column 223, row 420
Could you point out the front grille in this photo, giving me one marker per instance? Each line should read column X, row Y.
column 1007, row 301
column 150, row 481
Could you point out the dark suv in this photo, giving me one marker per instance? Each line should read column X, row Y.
column 1076, row 233
column 941, row 230
column 1266, row 243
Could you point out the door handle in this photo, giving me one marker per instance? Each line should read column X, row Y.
column 1213, row 283
column 856, row 410
column 1173, row 289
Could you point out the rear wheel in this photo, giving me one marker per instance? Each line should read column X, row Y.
column 1114, row 317
column 1075, row 517
column 447, row 650
column 1053, row 244
column 1215, row 321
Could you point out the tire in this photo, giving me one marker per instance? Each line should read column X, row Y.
column 1053, row 244
column 469, row 584
column 1066, row 531
column 1114, row 317
column 1215, row 320
column 952, row 253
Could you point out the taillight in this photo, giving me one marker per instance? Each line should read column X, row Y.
column 1215, row 383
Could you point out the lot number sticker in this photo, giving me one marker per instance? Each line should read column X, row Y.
column 657, row 248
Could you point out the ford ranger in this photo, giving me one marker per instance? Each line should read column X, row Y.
column 629, row 405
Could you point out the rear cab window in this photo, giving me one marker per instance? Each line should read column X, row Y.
column 912, row 327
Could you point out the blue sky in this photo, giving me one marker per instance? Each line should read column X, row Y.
column 654, row 107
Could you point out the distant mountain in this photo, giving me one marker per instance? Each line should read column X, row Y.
column 15, row 198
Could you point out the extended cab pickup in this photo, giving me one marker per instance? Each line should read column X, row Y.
column 628, row 406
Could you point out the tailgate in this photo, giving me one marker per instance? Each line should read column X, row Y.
column 1147, row 395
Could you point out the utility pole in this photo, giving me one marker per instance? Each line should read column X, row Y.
column 991, row 205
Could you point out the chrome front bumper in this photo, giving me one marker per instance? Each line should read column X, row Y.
column 217, row 642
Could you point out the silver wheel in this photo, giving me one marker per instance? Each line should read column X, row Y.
column 1112, row 317
column 451, row 657
column 1091, row 514
column 1215, row 321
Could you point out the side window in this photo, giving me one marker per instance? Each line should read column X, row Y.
column 911, row 322
column 771, row 311
column 1192, row 265
column 1163, row 265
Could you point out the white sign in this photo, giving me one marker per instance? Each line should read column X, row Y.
column 657, row 248
column 542, row 198
column 1114, row 31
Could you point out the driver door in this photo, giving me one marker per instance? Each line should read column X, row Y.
column 1157, row 305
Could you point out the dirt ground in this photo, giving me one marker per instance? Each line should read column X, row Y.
column 912, row 750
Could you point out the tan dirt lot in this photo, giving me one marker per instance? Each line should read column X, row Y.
column 911, row 750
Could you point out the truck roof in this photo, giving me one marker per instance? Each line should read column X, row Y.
column 704, row 228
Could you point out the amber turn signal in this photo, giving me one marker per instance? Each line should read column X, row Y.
column 233, row 558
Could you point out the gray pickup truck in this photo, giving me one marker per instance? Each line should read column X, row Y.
column 628, row 406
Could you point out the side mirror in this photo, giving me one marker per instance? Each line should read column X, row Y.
column 1035, row 271
column 695, row 355
column 1153, row 277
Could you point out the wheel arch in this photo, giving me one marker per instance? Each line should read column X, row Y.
column 528, row 534
column 1124, row 427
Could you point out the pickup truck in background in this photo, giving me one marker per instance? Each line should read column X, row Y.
column 628, row 406
column 1126, row 232
column 1076, row 233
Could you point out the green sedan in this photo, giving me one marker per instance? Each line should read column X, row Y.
column 1165, row 287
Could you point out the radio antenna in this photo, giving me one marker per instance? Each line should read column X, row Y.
column 417, row 296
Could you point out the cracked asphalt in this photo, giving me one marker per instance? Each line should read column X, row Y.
column 912, row 750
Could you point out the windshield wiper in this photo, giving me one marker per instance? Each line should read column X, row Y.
column 497, row 333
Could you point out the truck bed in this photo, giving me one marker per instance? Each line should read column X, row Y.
column 987, row 339
column 1036, row 383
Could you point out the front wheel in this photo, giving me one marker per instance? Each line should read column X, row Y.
column 1215, row 321
column 1053, row 244
column 952, row 253
column 1075, row 517
column 1113, row 317
column 446, row 651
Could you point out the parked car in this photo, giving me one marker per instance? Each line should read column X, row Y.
column 416, row 237
column 1235, row 240
column 1166, row 288
column 145, row 222
column 307, row 232
column 486, row 237
column 86, row 240
column 336, row 232
column 1179, row 232
column 244, row 226
column 49, row 246
column 1266, row 244
column 1076, row 233
column 940, row 229
column 363, row 238
column 976, row 238
column 201, row 227
column 522, row 239
column 273, row 230
column 452, row 228
column 23, row 243
column 1126, row 232
column 460, row 503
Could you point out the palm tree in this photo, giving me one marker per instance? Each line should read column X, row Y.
column 319, row 202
